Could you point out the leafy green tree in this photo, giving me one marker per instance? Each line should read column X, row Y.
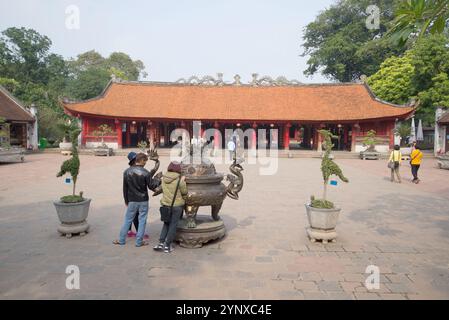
column 393, row 81
column 90, row 72
column 88, row 84
column 122, row 62
column 415, row 18
column 420, row 74
column 25, row 56
column 341, row 46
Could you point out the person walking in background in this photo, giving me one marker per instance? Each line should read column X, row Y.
column 395, row 162
column 136, row 182
column 174, row 189
column 132, row 161
column 415, row 162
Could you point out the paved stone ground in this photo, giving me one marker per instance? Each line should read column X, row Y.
column 401, row 228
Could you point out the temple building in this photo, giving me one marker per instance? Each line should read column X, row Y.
column 441, row 131
column 149, row 111
column 22, row 121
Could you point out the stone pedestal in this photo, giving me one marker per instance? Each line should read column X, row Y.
column 206, row 230
column 324, row 235
column 77, row 228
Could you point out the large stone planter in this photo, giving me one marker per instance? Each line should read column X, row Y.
column 369, row 155
column 103, row 151
column 73, row 217
column 66, row 148
column 406, row 152
column 443, row 162
column 322, row 223
column 12, row 155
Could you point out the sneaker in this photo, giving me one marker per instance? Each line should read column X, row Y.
column 168, row 249
column 131, row 234
column 159, row 247
column 146, row 237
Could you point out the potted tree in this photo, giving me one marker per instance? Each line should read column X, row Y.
column 67, row 127
column 370, row 142
column 322, row 214
column 404, row 132
column 103, row 149
column 72, row 209
column 142, row 145
column 8, row 153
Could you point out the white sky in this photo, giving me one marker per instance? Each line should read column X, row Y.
column 179, row 38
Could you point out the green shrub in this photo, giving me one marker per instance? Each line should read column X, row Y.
column 72, row 199
column 328, row 168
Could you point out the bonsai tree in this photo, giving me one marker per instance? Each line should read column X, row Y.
column 370, row 141
column 328, row 168
column 72, row 166
column 4, row 133
column 404, row 132
column 142, row 145
column 102, row 131
column 67, row 127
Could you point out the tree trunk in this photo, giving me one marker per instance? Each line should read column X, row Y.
column 325, row 190
column 74, row 184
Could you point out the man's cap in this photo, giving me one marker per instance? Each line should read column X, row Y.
column 131, row 156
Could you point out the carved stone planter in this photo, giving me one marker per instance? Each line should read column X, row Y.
column 73, row 217
column 12, row 155
column 103, row 152
column 66, row 148
column 322, row 223
column 443, row 162
column 369, row 155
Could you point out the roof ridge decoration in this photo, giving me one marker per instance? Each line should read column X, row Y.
column 265, row 81
column 269, row 81
column 206, row 80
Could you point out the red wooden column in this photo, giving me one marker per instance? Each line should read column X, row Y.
column 118, row 129
column 128, row 134
column 390, row 128
column 254, row 137
column 355, row 128
column 287, row 136
column 84, row 131
column 217, row 140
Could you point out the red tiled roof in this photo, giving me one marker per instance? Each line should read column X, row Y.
column 329, row 102
column 11, row 109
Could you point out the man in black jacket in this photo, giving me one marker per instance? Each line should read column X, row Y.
column 136, row 182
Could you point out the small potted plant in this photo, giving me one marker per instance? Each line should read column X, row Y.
column 322, row 214
column 72, row 209
column 103, row 149
column 370, row 142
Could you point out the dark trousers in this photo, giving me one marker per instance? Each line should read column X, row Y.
column 136, row 223
column 415, row 168
column 168, row 232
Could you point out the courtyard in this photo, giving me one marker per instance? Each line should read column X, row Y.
column 403, row 229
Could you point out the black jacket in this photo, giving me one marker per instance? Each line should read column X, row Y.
column 136, row 182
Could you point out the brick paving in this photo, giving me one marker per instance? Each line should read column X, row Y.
column 401, row 228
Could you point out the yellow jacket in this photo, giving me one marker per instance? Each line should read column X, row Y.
column 416, row 156
column 396, row 156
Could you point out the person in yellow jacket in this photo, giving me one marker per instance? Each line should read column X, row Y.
column 415, row 163
column 395, row 160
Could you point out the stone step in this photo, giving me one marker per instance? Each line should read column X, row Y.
column 165, row 152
